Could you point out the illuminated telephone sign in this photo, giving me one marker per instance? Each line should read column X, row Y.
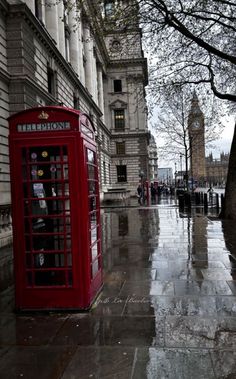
column 56, row 211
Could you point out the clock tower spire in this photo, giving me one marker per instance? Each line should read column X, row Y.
column 196, row 130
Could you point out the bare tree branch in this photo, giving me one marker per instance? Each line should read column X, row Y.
column 174, row 22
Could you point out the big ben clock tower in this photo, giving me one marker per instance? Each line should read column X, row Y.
column 197, row 140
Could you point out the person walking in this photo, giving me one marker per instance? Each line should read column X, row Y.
column 153, row 192
column 141, row 194
column 210, row 191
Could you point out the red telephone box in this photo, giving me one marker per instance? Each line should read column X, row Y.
column 55, row 206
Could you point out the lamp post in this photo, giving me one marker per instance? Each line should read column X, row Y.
column 175, row 173
column 141, row 175
column 181, row 173
column 191, row 162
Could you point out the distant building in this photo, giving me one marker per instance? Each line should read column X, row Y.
column 217, row 169
column 165, row 175
column 153, row 159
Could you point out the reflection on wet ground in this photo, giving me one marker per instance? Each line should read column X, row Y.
column 167, row 309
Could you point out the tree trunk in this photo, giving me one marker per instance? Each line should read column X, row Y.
column 229, row 210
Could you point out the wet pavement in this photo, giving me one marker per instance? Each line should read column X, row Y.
column 167, row 309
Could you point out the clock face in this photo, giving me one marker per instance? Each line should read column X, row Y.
column 115, row 45
column 196, row 124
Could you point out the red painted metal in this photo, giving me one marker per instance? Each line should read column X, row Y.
column 155, row 185
column 147, row 191
column 55, row 209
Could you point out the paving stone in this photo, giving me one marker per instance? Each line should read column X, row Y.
column 167, row 309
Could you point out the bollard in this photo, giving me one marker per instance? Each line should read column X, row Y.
column 201, row 198
column 222, row 202
column 205, row 202
column 147, row 192
column 187, row 199
column 181, row 202
column 217, row 202
column 197, row 198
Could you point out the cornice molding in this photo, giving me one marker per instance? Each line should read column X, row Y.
column 129, row 135
column 125, row 156
column 129, row 61
column 4, row 7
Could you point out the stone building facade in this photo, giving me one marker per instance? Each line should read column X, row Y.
column 153, row 160
column 217, row 169
column 54, row 53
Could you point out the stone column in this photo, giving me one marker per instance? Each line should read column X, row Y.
column 100, row 90
column 52, row 20
column 43, row 12
column 40, row 8
column 74, row 40
column 61, row 28
column 81, row 47
column 95, row 79
column 88, row 49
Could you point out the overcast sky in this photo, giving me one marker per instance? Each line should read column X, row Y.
column 224, row 144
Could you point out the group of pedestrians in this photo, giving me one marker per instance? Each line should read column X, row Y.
column 155, row 191
column 142, row 193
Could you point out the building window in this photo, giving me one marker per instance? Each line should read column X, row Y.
column 104, row 172
column 117, row 86
column 51, row 81
column 119, row 115
column 121, row 174
column 120, row 148
column 109, row 172
column 76, row 102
